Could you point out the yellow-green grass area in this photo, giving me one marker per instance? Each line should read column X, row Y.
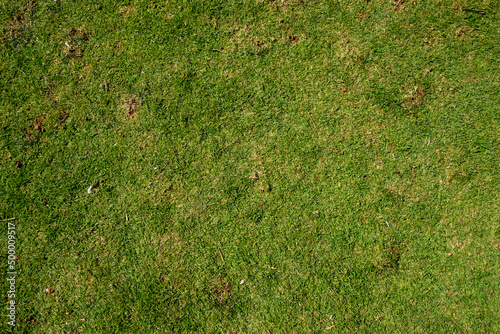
column 256, row 166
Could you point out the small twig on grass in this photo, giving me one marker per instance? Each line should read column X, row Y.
column 63, row 118
column 397, row 4
column 5, row 220
column 460, row 329
column 222, row 257
column 220, row 51
column 312, row 121
column 482, row 12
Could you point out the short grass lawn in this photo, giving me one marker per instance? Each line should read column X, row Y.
column 250, row 166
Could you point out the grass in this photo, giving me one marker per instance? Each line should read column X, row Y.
column 258, row 166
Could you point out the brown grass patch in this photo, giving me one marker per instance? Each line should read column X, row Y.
column 48, row 91
column 391, row 259
column 221, row 290
column 20, row 21
column 414, row 97
column 79, row 34
column 127, row 10
column 31, row 4
column 73, row 51
column 15, row 27
column 132, row 106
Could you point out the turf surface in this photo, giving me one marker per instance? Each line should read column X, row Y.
column 256, row 166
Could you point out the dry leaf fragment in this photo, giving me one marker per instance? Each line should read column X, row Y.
column 38, row 125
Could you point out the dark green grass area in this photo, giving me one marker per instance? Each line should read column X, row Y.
column 257, row 166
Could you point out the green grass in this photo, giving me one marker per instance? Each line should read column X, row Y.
column 259, row 166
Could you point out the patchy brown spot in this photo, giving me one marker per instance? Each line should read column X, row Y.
column 418, row 94
column 293, row 39
column 391, row 259
column 258, row 44
column 118, row 47
column 221, row 290
column 127, row 9
column 49, row 291
column 16, row 26
column 73, row 49
column 132, row 106
column 362, row 15
column 79, row 34
column 19, row 19
column 344, row 90
column 459, row 32
column 74, row 52
column 31, row 4
column 48, row 91
column 414, row 97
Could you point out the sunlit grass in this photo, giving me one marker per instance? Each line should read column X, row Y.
column 257, row 166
